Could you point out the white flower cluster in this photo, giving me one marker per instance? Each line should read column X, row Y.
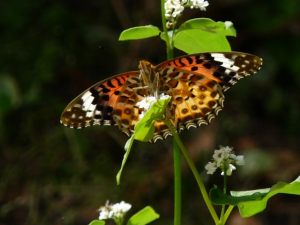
column 224, row 159
column 174, row 8
column 147, row 102
column 115, row 211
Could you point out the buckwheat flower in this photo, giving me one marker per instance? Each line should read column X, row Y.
column 218, row 157
column 228, row 24
column 104, row 214
column 178, row 9
column 211, row 167
column 120, row 209
column 168, row 8
column 229, row 170
column 224, row 158
column 116, row 211
column 146, row 102
column 199, row 4
column 239, row 160
column 163, row 96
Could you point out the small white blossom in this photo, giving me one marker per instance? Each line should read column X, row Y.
column 211, row 167
column 163, row 96
column 115, row 211
column 229, row 170
column 104, row 214
column 199, row 4
column 239, row 160
column 147, row 102
column 120, row 209
column 224, row 158
column 218, row 157
column 178, row 9
column 228, row 24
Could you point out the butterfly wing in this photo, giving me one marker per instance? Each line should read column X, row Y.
column 196, row 82
column 109, row 102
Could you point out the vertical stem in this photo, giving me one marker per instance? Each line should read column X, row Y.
column 222, row 218
column 195, row 172
column 164, row 22
column 177, row 159
column 177, row 180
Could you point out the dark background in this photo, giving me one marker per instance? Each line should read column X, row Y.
column 49, row 53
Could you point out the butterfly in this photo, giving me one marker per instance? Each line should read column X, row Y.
column 195, row 82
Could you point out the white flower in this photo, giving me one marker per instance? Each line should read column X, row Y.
column 228, row 24
column 178, row 9
column 104, row 214
column 229, row 170
column 218, row 157
column 163, row 96
column 224, row 158
column 115, row 211
column 211, row 167
column 121, row 207
column 199, row 4
column 239, row 160
column 146, row 102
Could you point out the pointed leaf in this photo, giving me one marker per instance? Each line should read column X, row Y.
column 97, row 222
column 144, row 129
column 219, row 198
column 128, row 146
column 202, row 35
column 254, row 201
column 253, row 207
column 141, row 32
column 144, row 216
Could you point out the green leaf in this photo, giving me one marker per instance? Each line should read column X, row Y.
column 144, row 129
column 97, row 222
column 253, row 207
column 141, row 32
column 254, row 201
column 144, row 216
column 128, row 146
column 219, row 198
column 230, row 31
column 202, row 35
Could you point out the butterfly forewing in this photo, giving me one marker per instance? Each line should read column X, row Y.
column 224, row 67
column 96, row 104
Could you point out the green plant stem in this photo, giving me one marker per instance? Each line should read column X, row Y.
column 177, row 182
column 164, row 22
column 177, row 158
column 222, row 221
column 195, row 172
column 228, row 211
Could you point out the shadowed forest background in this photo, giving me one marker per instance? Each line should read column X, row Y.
column 49, row 54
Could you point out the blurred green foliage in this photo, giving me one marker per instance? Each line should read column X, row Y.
column 49, row 53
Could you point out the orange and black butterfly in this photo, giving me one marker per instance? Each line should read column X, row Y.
column 195, row 83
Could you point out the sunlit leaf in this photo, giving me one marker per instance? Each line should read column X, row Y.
column 202, row 35
column 97, row 222
column 141, row 32
column 254, row 201
column 144, row 216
